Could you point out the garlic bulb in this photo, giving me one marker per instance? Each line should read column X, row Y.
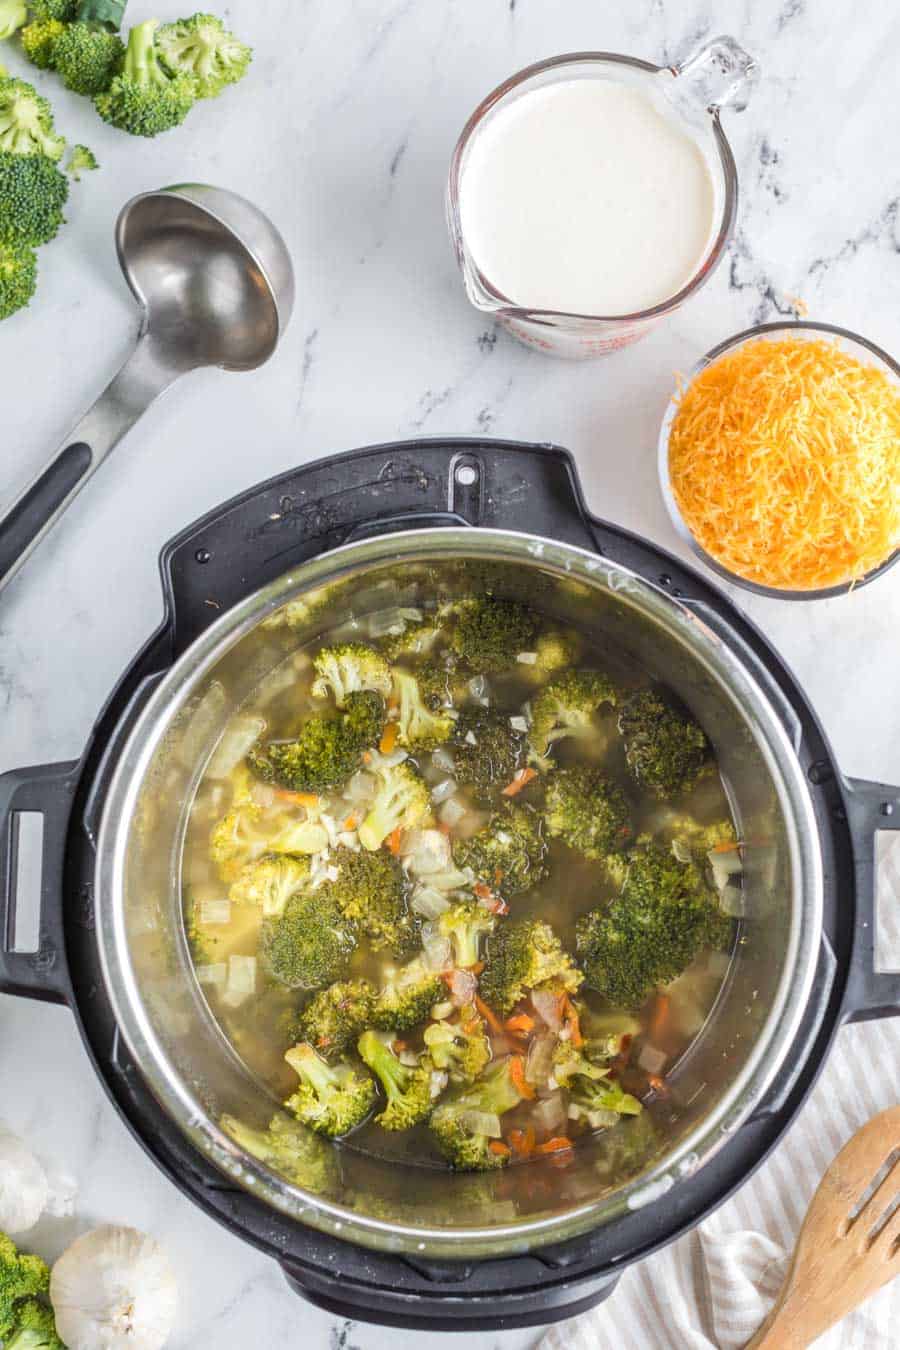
column 23, row 1185
column 114, row 1289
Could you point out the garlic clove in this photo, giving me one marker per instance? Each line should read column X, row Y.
column 23, row 1185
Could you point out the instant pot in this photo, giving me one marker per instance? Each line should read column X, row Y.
column 335, row 542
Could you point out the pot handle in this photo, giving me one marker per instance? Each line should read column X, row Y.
column 870, row 992
column 46, row 790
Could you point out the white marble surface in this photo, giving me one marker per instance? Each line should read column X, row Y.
column 343, row 133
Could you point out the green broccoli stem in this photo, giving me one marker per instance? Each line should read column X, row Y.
column 109, row 13
column 384, row 1063
column 141, row 64
column 311, row 1068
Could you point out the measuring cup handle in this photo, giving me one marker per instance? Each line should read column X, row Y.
column 24, row 523
column 720, row 74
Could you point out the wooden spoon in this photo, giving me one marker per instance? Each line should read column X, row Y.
column 849, row 1245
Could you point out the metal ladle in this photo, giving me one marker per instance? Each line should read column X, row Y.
column 215, row 282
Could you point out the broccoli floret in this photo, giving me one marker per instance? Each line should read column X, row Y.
column 442, row 681
column 460, row 1049
column 270, row 881
column 566, row 707
column 334, row 1017
column 26, row 122
column 62, row 10
column 18, row 277
column 245, row 833
column 487, row 752
column 13, row 15
column 464, row 924
column 38, row 39
column 553, row 651
column 35, row 1328
column 523, row 955
column 666, row 750
column 454, row 1122
column 21, row 1277
column 203, row 51
column 417, row 726
column 401, row 802
column 289, row 1148
column 587, row 811
column 201, row 942
column 143, row 99
column 331, row 1098
column 326, row 751
column 348, row 669
column 407, row 1088
column 664, row 916
column 690, row 837
column 86, row 56
column 81, row 160
column 309, row 944
column 417, row 639
column 600, row 1102
column 489, row 633
column 509, row 854
column 407, row 997
column 33, row 193
column 370, row 891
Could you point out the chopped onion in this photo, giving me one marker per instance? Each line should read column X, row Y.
column 441, row 1011
column 429, row 902
column 262, row 795
column 481, row 1122
column 437, row 948
column 681, row 851
column 519, row 723
column 452, row 811
column 470, row 738
column 349, row 839
column 652, row 1060
column 445, row 788
column 437, row 1083
column 239, row 737
column 527, row 658
column 602, row 1119
column 241, row 982
column 550, row 1114
column 426, row 851
column 725, row 863
column 463, row 987
column 215, row 911
column 361, row 788
column 409, row 1058
column 546, row 1005
column 442, row 759
column 539, row 1060
column 478, row 687
column 381, row 762
column 214, row 974
column 391, row 621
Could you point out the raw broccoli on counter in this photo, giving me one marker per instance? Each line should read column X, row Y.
column 202, row 50
column 524, row 954
column 26, row 122
column 18, row 276
column 143, row 98
column 88, row 53
column 13, row 14
column 406, row 1087
column 666, row 750
column 21, row 1277
column 509, row 854
column 38, row 40
column 309, row 944
column 331, row 1099
column 34, row 1329
column 663, row 918
column 587, row 811
column 467, row 1122
column 334, row 1017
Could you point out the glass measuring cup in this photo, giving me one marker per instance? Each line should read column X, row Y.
column 719, row 75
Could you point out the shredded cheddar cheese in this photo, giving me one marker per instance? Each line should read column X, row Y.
column 784, row 460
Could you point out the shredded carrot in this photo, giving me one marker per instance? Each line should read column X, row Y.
column 308, row 799
column 522, row 779
column 482, row 891
column 393, row 840
column 784, row 459
column 728, row 846
column 517, row 1074
column 570, row 1018
column 558, row 1144
column 489, row 1016
column 497, row 1146
column 401, row 1045
column 444, row 827
column 350, row 822
column 388, row 738
column 658, row 1084
column 469, row 1028
column 521, row 1022
column 523, row 1141
column 659, row 1017
column 476, row 967
column 367, row 757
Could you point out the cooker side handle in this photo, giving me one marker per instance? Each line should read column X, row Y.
column 46, row 790
column 870, row 992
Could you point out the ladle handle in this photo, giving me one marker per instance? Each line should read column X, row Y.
column 143, row 377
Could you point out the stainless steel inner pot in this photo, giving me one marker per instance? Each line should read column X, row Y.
column 194, row 1073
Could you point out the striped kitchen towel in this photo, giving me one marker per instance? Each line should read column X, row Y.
column 712, row 1289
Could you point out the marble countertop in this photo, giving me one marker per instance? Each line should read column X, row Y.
column 343, row 133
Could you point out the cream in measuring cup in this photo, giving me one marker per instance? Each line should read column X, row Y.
column 593, row 193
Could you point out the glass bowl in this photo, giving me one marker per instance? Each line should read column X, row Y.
column 854, row 345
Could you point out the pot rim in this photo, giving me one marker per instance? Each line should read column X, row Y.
column 720, row 662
